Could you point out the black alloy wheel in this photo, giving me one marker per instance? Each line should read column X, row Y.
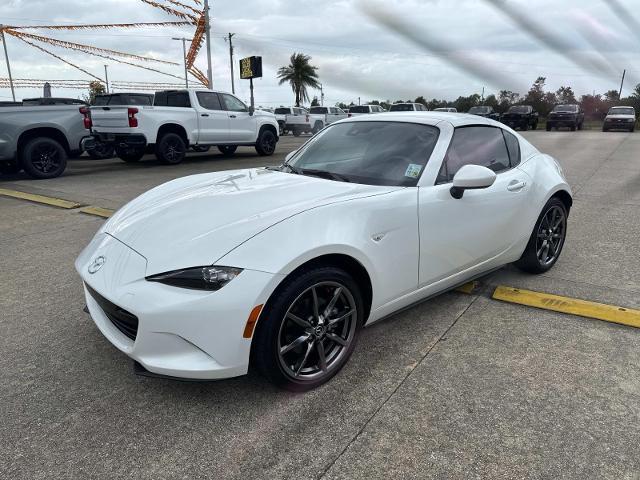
column 171, row 149
column 44, row 158
column 227, row 150
column 266, row 144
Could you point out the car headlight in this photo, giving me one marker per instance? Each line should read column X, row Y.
column 630, row 120
column 198, row 278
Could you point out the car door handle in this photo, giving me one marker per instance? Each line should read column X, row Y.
column 204, row 115
column 516, row 186
column 232, row 116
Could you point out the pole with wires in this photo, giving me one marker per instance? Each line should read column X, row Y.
column 106, row 76
column 184, row 56
column 207, row 29
column 621, row 84
column 6, row 56
column 233, row 85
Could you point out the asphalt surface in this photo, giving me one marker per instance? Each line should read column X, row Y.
column 461, row 386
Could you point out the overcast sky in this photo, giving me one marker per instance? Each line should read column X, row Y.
column 356, row 56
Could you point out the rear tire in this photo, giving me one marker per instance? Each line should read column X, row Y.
column 297, row 131
column 318, row 347
column 548, row 127
column 102, row 151
column 266, row 144
column 171, row 149
column 44, row 158
column 535, row 126
column 200, row 148
column 129, row 155
column 549, row 232
column 227, row 150
column 317, row 127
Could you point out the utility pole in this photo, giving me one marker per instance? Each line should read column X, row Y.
column 106, row 76
column 207, row 29
column 184, row 56
column 358, row 100
column 233, row 85
column 482, row 94
column 321, row 96
column 6, row 56
column 624, row 72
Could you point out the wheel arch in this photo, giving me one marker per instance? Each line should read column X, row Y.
column 173, row 128
column 43, row 132
column 267, row 126
column 565, row 197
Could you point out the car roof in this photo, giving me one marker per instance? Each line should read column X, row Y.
column 428, row 118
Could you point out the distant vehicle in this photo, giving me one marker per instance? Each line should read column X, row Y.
column 180, row 119
column 570, row 116
column 620, row 118
column 32, row 102
column 521, row 116
column 40, row 138
column 293, row 119
column 320, row 117
column 485, row 111
column 408, row 107
column 446, row 109
column 124, row 99
column 265, row 109
column 365, row 110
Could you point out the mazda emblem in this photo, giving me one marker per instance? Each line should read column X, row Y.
column 97, row 264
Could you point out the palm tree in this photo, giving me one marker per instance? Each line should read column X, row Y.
column 300, row 74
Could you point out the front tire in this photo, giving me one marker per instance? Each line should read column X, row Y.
column 547, row 239
column 44, row 158
column 317, row 127
column 309, row 328
column 227, row 150
column 171, row 149
column 266, row 144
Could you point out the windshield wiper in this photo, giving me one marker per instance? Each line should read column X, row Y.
column 292, row 169
column 323, row 174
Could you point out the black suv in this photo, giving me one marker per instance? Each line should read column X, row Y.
column 570, row 116
column 485, row 111
column 521, row 116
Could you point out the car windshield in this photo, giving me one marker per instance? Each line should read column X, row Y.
column 359, row 109
column 622, row 111
column 372, row 153
column 318, row 110
column 476, row 110
column 401, row 107
column 566, row 108
column 519, row 109
column 281, row 111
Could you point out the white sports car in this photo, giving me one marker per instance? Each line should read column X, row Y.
column 280, row 267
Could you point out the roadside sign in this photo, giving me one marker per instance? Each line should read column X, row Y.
column 251, row 67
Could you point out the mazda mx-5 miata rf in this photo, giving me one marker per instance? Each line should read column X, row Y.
column 280, row 267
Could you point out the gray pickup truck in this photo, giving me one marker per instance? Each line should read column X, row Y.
column 39, row 139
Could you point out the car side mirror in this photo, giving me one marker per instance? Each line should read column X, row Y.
column 471, row 177
column 291, row 154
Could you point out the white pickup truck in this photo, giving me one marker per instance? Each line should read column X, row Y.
column 179, row 119
column 293, row 119
column 323, row 116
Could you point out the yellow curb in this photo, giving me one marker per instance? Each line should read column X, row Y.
column 97, row 211
column 32, row 197
column 468, row 287
column 573, row 306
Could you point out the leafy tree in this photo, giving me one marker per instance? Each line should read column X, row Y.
column 95, row 88
column 300, row 74
column 421, row 100
column 565, row 95
column 315, row 102
column 506, row 98
column 611, row 96
column 535, row 95
column 491, row 101
column 463, row 104
column 594, row 106
column 636, row 91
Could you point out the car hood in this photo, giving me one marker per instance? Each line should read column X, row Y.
column 196, row 220
column 616, row 116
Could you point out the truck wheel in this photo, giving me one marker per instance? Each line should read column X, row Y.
column 129, row 155
column 101, row 151
column 317, row 127
column 297, row 131
column 535, row 126
column 525, row 127
column 573, row 128
column 281, row 129
column 200, row 148
column 171, row 149
column 44, row 158
column 266, row 144
column 548, row 127
column 580, row 126
column 9, row 168
column 227, row 150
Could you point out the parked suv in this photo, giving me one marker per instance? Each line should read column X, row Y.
column 521, row 116
column 408, row 107
column 356, row 110
column 293, row 119
column 570, row 116
column 485, row 111
column 620, row 118
column 320, row 117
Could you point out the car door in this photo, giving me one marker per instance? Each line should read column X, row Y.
column 242, row 125
column 461, row 237
column 213, row 119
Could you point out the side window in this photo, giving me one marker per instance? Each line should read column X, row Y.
column 483, row 146
column 178, row 99
column 160, row 99
column 233, row 104
column 209, row 100
column 513, row 146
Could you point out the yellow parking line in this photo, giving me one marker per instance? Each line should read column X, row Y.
column 468, row 287
column 32, row 197
column 97, row 211
column 574, row 306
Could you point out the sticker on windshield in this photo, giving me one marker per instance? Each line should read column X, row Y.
column 413, row 170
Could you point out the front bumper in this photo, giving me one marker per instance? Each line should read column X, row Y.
column 180, row 333
column 619, row 124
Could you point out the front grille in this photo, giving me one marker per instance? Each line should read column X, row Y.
column 124, row 321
